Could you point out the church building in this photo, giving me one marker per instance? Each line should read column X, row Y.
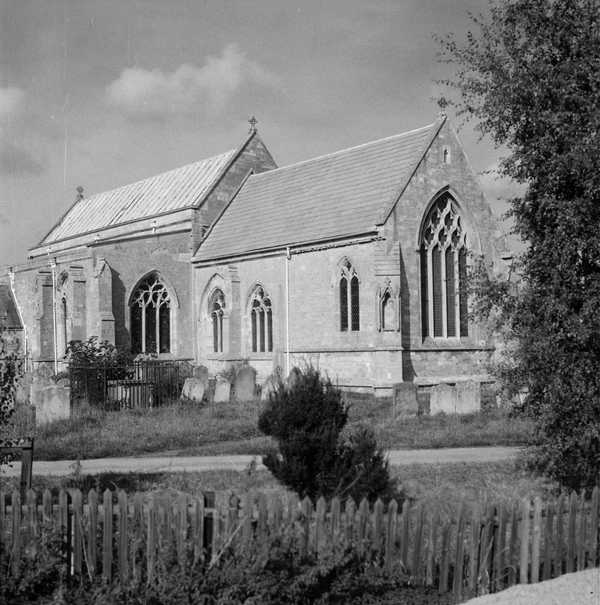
column 355, row 261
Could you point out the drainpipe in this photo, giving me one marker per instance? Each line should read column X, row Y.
column 53, row 267
column 288, row 257
column 11, row 277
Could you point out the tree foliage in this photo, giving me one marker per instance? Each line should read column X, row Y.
column 530, row 78
column 315, row 457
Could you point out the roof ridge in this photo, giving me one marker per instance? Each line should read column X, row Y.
column 346, row 149
column 154, row 176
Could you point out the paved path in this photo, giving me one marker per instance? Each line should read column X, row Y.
column 162, row 464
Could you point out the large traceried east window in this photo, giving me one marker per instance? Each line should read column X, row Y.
column 216, row 309
column 443, row 258
column 261, row 318
column 349, row 298
column 150, row 317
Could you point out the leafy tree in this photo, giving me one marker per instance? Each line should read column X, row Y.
column 530, row 78
column 315, row 458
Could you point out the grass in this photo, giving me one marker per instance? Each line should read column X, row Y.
column 231, row 429
column 442, row 486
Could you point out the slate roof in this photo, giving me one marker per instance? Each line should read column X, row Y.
column 340, row 194
column 170, row 191
column 8, row 308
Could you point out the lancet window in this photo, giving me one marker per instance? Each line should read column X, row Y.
column 216, row 309
column 261, row 319
column 349, row 298
column 150, row 310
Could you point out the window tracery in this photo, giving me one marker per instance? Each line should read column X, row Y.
column 216, row 309
column 443, row 259
column 349, row 298
column 261, row 319
column 150, row 309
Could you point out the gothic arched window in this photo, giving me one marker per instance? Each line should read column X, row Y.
column 349, row 298
column 261, row 317
column 443, row 257
column 388, row 311
column 216, row 307
column 150, row 317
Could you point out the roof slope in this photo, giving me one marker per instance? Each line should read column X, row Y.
column 9, row 317
column 167, row 192
column 336, row 195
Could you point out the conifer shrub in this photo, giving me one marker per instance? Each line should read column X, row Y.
column 315, row 456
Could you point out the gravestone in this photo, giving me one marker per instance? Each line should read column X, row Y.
column 193, row 390
column 468, row 397
column 201, row 373
column 222, row 390
column 405, row 399
column 245, row 384
column 442, row 399
column 268, row 387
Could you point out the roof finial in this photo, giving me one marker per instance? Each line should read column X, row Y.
column 442, row 104
column 253, row 122
column 79, row 190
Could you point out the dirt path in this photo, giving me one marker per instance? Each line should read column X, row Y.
column 163, row 464
column 581, row 588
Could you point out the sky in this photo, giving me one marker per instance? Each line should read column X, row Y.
column 100, row 93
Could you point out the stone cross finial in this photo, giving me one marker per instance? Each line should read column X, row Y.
column 442, row 104
column 79, row 190
column 253, row 122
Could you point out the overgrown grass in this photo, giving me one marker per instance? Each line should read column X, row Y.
column 231, row 429
column 442, row 486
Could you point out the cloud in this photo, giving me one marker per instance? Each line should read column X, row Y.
column 11, row 100
column 17, row 161
column 188, row 89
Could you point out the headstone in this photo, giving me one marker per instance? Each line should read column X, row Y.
column 268, row 387
column 405, row 399
column 193, row 390
column 52, row 402
column 442, row 399
column 201, row 373
column 468, row 397
column 293, row 377
column 245, row 384
column 222, row 390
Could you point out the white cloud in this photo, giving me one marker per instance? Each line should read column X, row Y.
column 11, row 99
column 154, row 93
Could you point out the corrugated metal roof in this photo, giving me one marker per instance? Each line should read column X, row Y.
column 335, row 195
column 173, row 190
column 9, row 317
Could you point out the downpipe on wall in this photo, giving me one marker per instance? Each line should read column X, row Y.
column 288, row 258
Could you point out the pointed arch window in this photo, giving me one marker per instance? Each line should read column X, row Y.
column 261, row 318
column 443, row 259
column 216, row 309
column 150, row 317
column 349, row 298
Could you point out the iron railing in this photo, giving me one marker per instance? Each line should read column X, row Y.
column 139, row 384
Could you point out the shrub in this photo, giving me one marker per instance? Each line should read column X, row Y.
column 306, row 418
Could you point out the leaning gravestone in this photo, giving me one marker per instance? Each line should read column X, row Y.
column 468, row 397
column 442, row 399
column 268, row 387
column 222, row 390
column 245, row 384
column 405, row 399
column 201, row 373
column 193, row 390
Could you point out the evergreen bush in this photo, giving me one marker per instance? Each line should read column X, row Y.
column 315, row 458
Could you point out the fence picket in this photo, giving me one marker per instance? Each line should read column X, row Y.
column 363, row 526
column 390, row 535
column 16, row 531
column 378, row 527
column 499, row 548
column 581, row 533
column 349, row 520
column 536, row 540
column 77, row 531
column 320, row 526
column 418, row 546
column 514, row 545
column 107, row 528
column 32, row 514
column 444, row 558
column 405, row 534
column 138, row 540
column 548, row 542
column 457, row 585
column 3, row 518
column 524, row 542
column 485, row 548
column 151, row 539
column 336, row 524
column 571, row 531
column 92, row 529
column 560, row 536
column 594, row 511
column 474, row 550
column 47, row 516
column 307, row 510
column 431, row 549
column 248, row 512
column 123, row 537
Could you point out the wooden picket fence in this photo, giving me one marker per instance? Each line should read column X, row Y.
column 131, row 538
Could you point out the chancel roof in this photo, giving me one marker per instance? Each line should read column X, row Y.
column 337, row 195
column 170, row 191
